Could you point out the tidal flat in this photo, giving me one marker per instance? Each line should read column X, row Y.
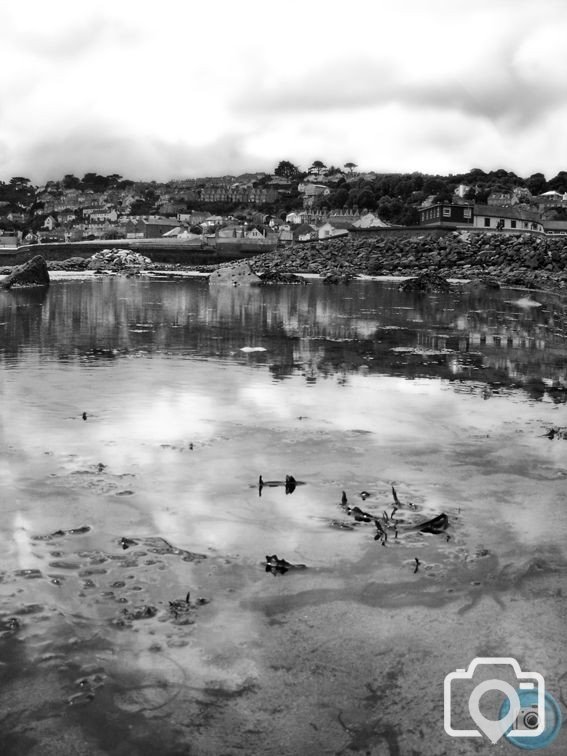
column 138, row 614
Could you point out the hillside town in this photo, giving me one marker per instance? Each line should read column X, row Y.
column 266, row 210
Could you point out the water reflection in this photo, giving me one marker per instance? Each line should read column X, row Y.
column 180, row 423
column 314, row 330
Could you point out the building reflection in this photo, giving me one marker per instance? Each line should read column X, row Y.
column 314, row 330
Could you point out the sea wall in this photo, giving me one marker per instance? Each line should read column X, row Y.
column 166, row 251
column 522, row 260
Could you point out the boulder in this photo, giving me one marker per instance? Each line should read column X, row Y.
column 119, row 259
column 485, row 282
column 337, row 277
column 32, row 273
column 235, row 274
column 426, row 283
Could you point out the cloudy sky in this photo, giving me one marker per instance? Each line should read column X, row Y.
column 178, row 88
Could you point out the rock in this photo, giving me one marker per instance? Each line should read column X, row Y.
column 235, row 274
column 337, row 277
column 72, row 263
column 273, row 276
column 485, row 282
column 119, row 259
column 426, row 283
column 436, row 525
column 32, row 273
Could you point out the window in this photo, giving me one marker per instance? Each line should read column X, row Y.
column 513, row 224
column 447, row 212
column 467, row 212
column 487, row 221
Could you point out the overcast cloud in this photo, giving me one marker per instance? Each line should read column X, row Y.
column 173, row 89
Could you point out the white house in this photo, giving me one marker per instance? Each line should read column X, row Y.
column 295, row 217
column 50, row 222
column 506, row 218
column 332, row 229
column 254, row 233
column 100, row 216
column 461, row 190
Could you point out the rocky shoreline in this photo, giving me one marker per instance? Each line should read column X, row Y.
column 522, row 260
column 514, row 260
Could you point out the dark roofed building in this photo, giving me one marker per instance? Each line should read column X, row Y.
column 150, row 229
column 555, row 227
column 446, row 214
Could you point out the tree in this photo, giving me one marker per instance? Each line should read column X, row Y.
column 339, row 198
column 558, row 183
column 366, row 199
column 445, row 195
column 433, row 185
column 317, row 166
column 409, row 217
column 70, row 181
column 536, row 183
column 19, row 181
column 141, row 207
column 556, row 213
column 351, row 166
column 287, row 170
column 332, row 171
column 95, row 182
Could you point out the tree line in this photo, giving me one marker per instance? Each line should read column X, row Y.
column 397, row 196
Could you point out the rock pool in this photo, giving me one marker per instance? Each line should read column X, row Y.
column 138, row 614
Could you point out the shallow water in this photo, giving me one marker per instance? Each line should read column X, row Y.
column 190, row 394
